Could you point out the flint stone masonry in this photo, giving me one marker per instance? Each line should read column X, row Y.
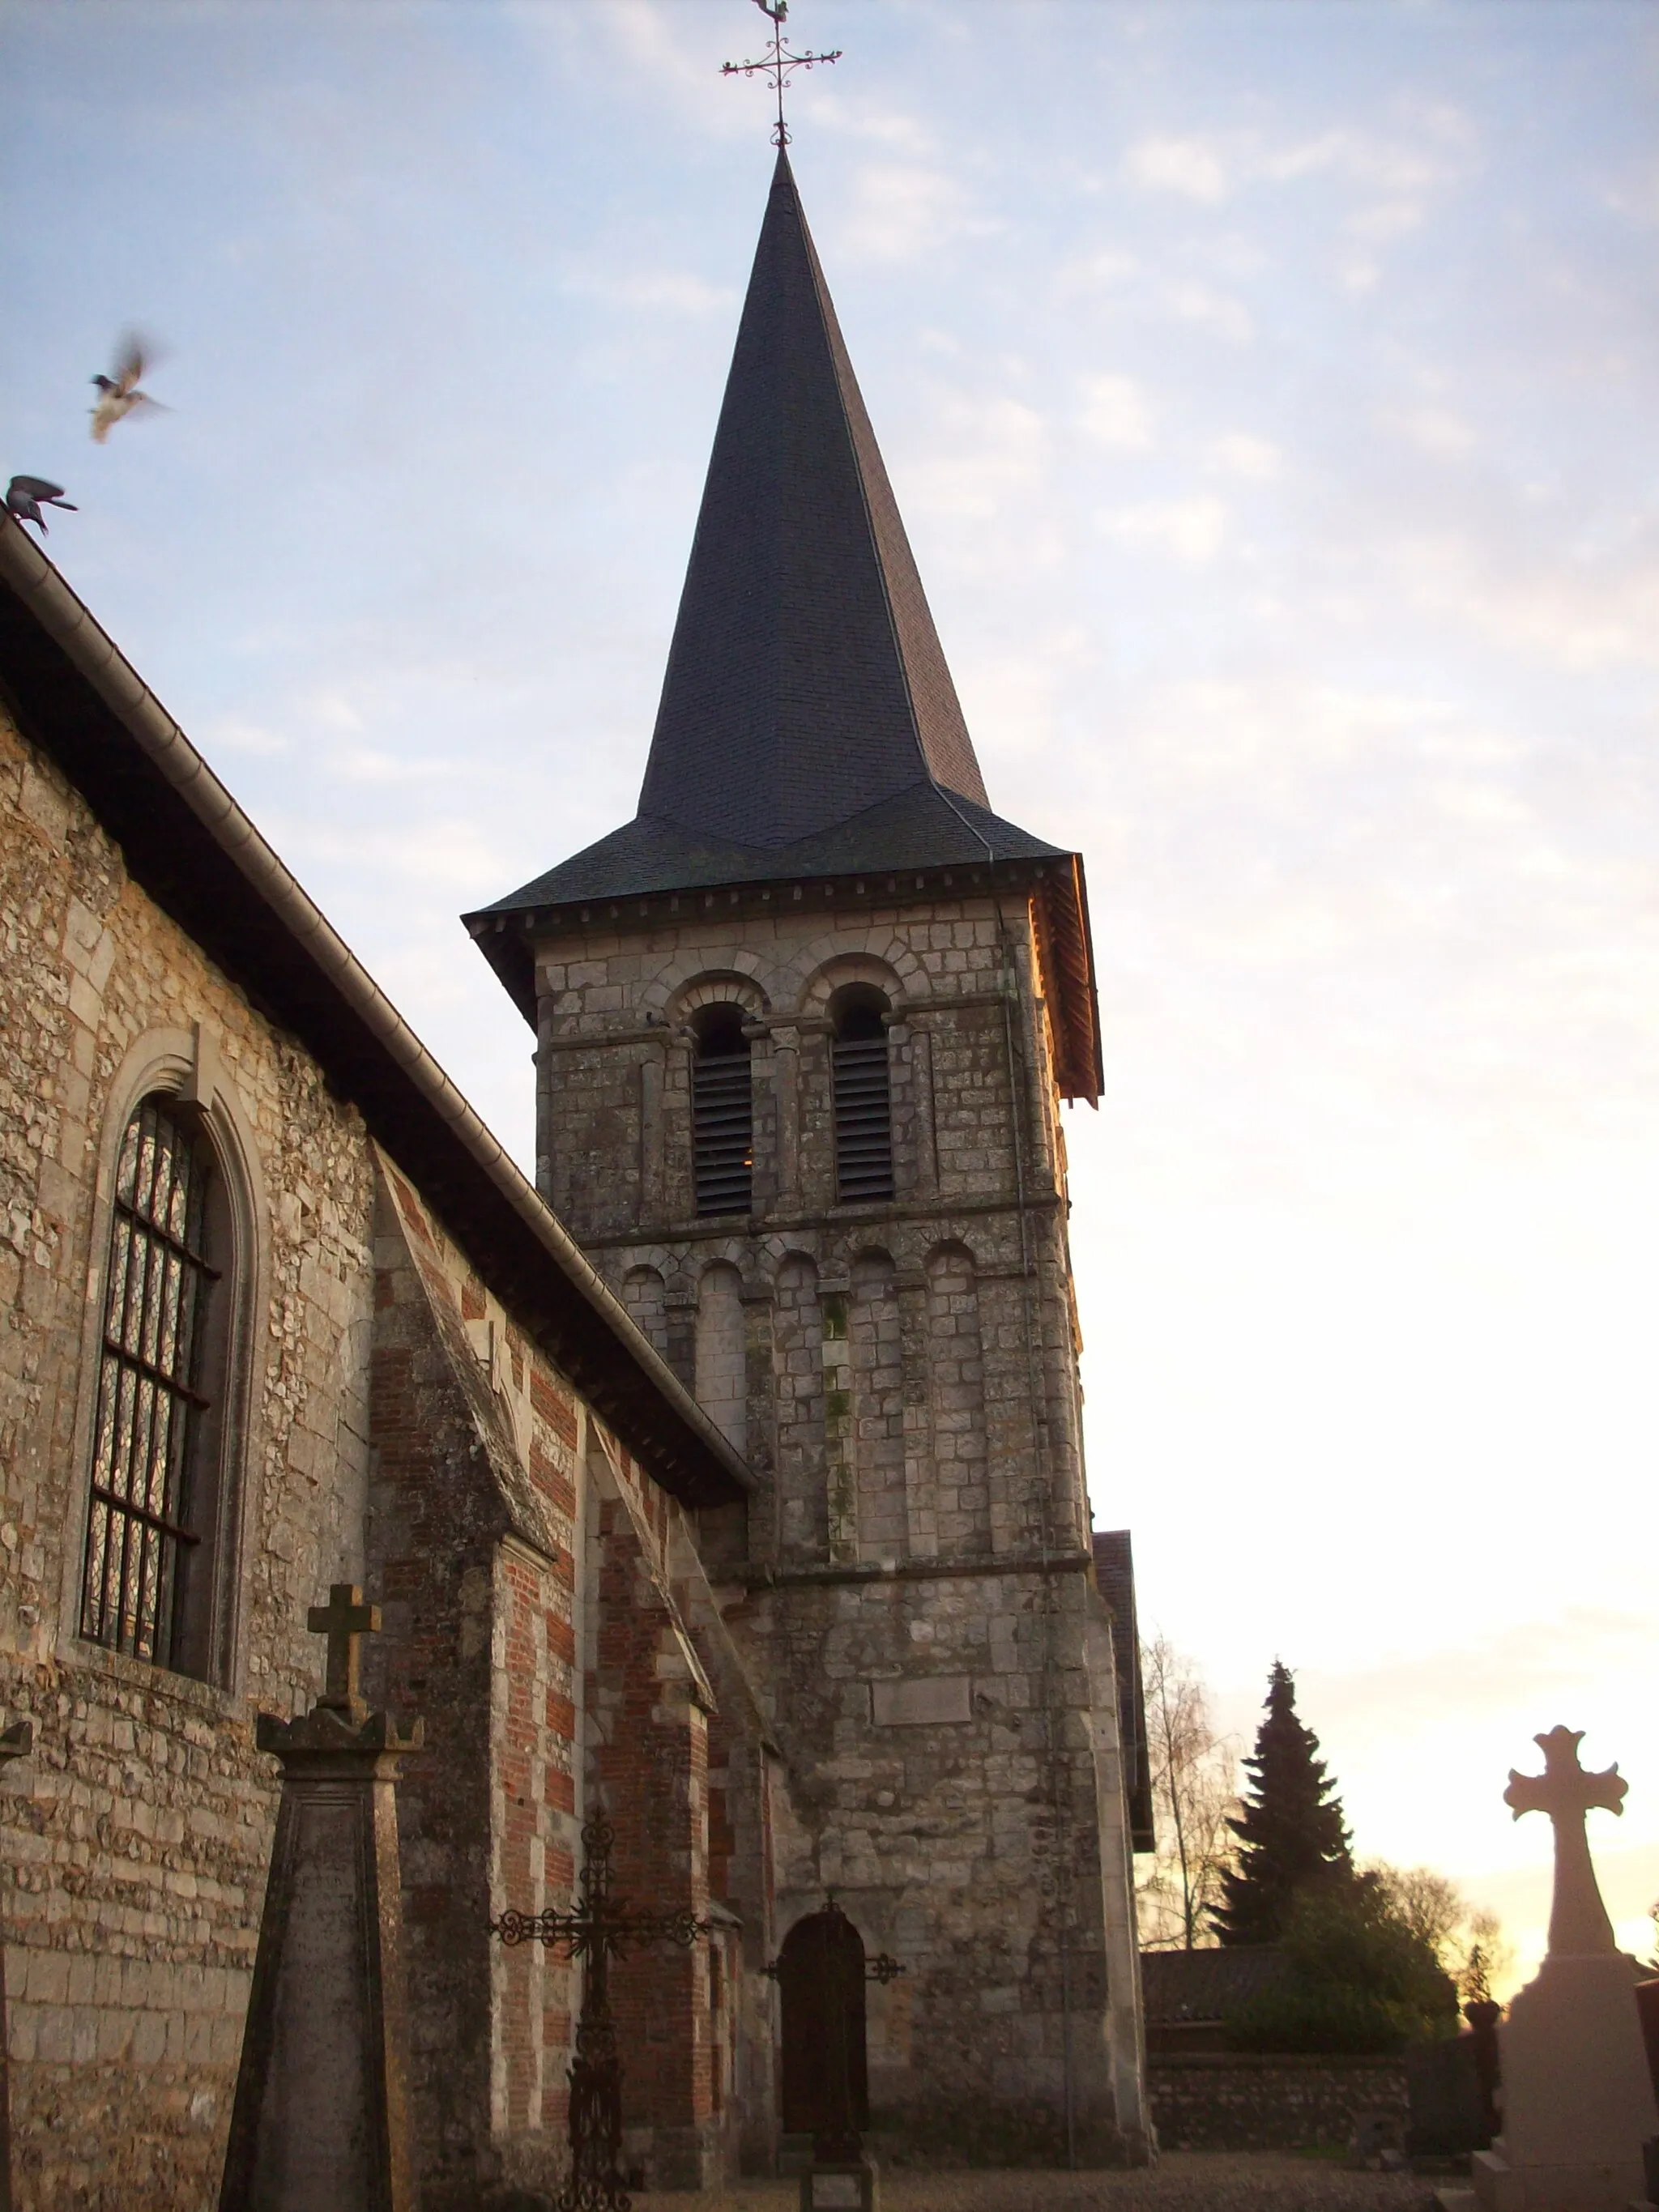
column 1244, row 2101
column 137, row 1860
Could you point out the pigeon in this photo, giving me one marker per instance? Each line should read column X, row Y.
column 24, row 495
column 120, row 394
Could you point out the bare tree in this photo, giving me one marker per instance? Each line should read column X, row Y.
column 1469, row 1941
column 1192, row 1772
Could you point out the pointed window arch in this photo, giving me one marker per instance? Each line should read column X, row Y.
column 151, row 1568
column 862, row 1080
column 722, row 1112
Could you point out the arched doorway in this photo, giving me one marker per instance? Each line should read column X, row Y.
column 824, row 2074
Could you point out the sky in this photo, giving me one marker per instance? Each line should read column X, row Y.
column 1268, row 387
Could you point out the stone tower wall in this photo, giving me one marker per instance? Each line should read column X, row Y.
column 910, row 1583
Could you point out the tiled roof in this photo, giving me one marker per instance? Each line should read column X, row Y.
column 806, row 679
column 921, row 827
column 1187, row 1988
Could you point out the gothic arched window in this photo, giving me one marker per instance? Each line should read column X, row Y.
column 722, row 1112
column 863, row 1093
column 154, row 1515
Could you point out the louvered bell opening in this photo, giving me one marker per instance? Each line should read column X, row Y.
column 723, row 1134
column 864, row 1120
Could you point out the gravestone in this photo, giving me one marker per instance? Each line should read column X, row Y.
column 320, row 2121
column 15, row 1743
column 1578, row 2102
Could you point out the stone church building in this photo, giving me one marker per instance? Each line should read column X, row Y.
column 730, row 1482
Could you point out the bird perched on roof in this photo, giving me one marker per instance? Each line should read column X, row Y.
column 25, row 495
column 118, row 395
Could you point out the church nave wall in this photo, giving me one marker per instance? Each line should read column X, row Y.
column 137, row 1833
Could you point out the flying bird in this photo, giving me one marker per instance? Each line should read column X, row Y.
column 118, row 395
column 25, row 495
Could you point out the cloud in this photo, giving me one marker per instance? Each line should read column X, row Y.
column 1257, row 460
column 1394, row 172
column 1115, row 415
column 1217, row 311
column 901, row 211
column 994, row 448
column 1191, row 530
column 1581, row 616
column 1193, row 168
column 234, row 733
column 1436, row 430
column 677, row 291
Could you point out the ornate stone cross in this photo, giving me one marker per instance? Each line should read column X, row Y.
column 345, row 1620
column 1579, row 1927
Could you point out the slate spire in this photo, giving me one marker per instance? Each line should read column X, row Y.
column 805, row 682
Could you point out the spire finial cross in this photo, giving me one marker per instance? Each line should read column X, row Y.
column 345, row 1620
column 777, row 63
column 1578, row 1920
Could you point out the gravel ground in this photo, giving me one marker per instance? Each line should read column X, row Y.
column 1181, row 2181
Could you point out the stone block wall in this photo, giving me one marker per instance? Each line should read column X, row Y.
column 1242, row 2101
column 909, row 1588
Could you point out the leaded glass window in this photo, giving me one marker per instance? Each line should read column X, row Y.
column 153, row 1417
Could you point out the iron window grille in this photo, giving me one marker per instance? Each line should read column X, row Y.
column 150, row 1409
column 722, row 1116
column 862, row 1082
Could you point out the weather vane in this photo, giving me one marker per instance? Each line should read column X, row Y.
column 777, row 63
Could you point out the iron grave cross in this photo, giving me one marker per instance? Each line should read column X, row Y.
column 777, row 63
column 345, row 1620
column 1578, row 1919
column 600, row 1928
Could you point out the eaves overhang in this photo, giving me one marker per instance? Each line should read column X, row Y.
column 191, row 848
column 1051, row 885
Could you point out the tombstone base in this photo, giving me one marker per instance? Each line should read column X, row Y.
column 1501, row 2187
column 853, row 2187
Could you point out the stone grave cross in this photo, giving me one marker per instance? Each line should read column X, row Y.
column 345, row 1620
column 1579, row 1926
column 1578, row 2098
column 320, row 2122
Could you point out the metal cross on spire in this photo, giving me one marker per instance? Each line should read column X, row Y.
column 777, row 63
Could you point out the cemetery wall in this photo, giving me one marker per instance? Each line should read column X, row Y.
column 1246, row 2101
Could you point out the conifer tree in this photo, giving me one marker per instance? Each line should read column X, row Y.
column 1292, row 1838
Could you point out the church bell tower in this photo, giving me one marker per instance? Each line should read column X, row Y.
column 804, row 1027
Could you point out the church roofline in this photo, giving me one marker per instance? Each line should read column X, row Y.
column 1051, row 880
column 193, row 849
